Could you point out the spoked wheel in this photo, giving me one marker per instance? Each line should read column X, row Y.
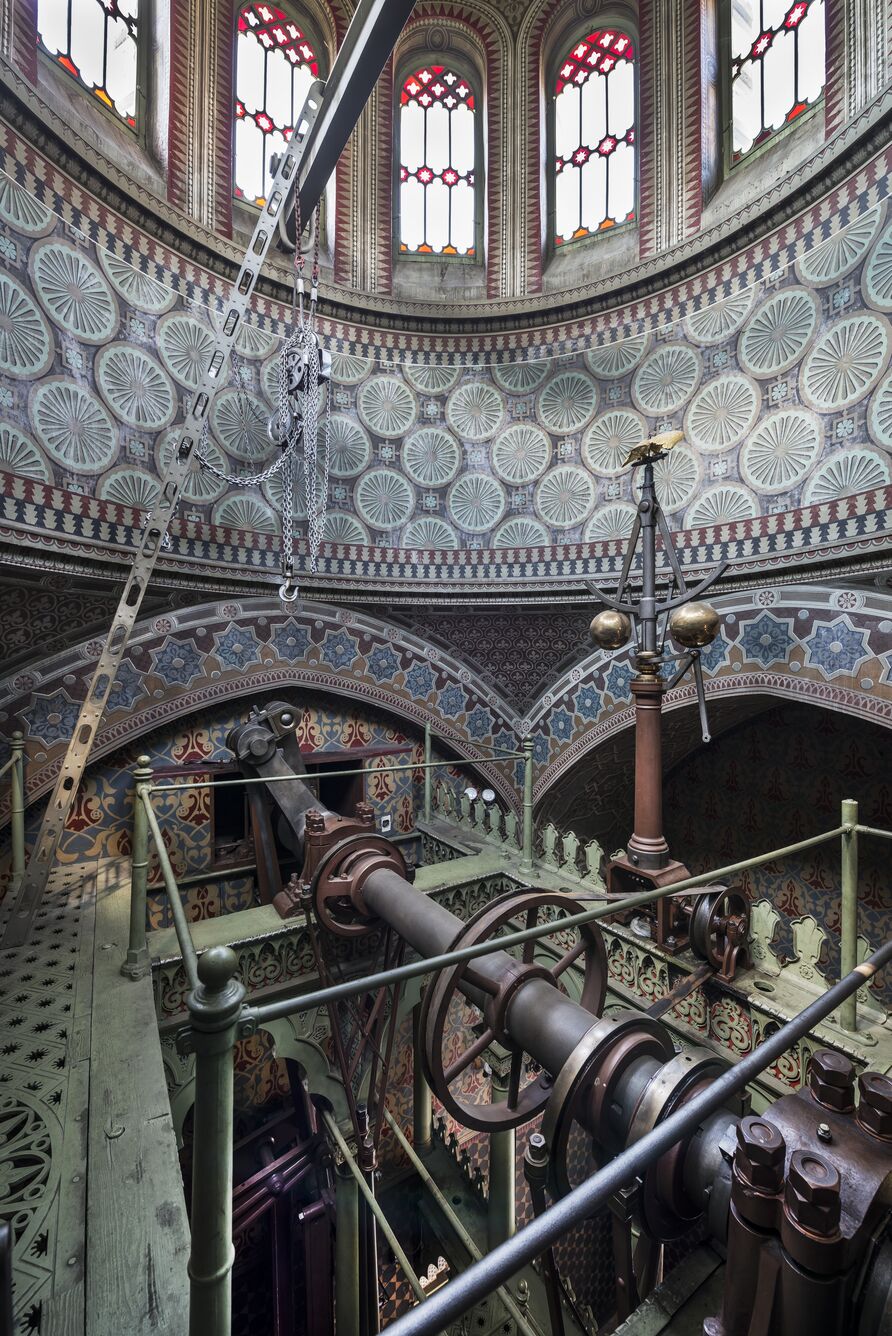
column 487, row 990
column 719, row 929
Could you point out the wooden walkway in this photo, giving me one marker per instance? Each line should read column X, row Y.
column 86, row 1141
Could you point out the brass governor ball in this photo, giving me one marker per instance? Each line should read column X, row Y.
column 610, row 630
column 694, row 625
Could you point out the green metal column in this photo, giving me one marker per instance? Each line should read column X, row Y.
column 422, row 1102
column 428, row 774
column 526, row 862
column 848, row 926
column 501, row 1215
column 17, row 804
column 136, row 963
column 346, row 1253
column 214, row 1010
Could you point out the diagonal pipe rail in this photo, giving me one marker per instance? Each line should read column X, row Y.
column 498, row 1266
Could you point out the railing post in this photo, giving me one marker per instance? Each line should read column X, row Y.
column 428, row 774
column 848, row 921
column 501, row 1220
column 136, row 963
column 214, row 1010
column 422, row 1101
column 346, row 1252
column 17, row 805
column 526, row 862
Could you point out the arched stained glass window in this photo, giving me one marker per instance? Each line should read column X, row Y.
column 275, row 65
column 96, row 41
column 777, row 66
column 438, row 163
column 594, row 135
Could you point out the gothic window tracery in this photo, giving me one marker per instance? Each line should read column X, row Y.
column 276, row 62
column 438, row 170
column 96, row 42
column 777, row 66
column 594, row 135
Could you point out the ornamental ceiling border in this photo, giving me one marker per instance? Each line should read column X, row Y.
column 56, row 521
column 820, row 645
column 179, row 663
column 108, row 200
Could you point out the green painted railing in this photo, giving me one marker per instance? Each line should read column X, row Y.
column 219, row 1016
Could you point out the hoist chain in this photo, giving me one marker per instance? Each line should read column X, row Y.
column 151, row 538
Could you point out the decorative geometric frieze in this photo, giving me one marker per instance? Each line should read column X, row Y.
column 349, row 370
column 781, row 450
column 22, row 212
column 776, row 336
column 253, row 342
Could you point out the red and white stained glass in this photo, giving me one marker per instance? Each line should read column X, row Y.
column 777, row 66
column 437, row 204
column 594, row 135
column 275, row 66
column 96, row 42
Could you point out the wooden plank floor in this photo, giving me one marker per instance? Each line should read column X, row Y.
column 101, row 1235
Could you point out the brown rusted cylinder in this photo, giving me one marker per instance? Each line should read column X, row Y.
column 647, row 846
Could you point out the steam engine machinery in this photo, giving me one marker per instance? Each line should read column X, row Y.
column 799, row 1195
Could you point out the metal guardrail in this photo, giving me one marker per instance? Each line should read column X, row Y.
column 219, row 1016
column 14, row 766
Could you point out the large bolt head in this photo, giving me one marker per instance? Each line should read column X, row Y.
column 812, row 1193
column 761, row 1152
column 831, row 1079
column 875, row 1106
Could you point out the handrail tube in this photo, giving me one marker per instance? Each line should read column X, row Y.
column 7, row 765
column 872, row 830
column 483, row 1277
column 352, row 988
column 464, row 1237
column 331, row 774
column 180, row 922
column 374, row 1206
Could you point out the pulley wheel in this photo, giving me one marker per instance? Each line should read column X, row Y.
column 336, row 887
column 720, row 927
column 448, row 1053
column 582, row 1096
